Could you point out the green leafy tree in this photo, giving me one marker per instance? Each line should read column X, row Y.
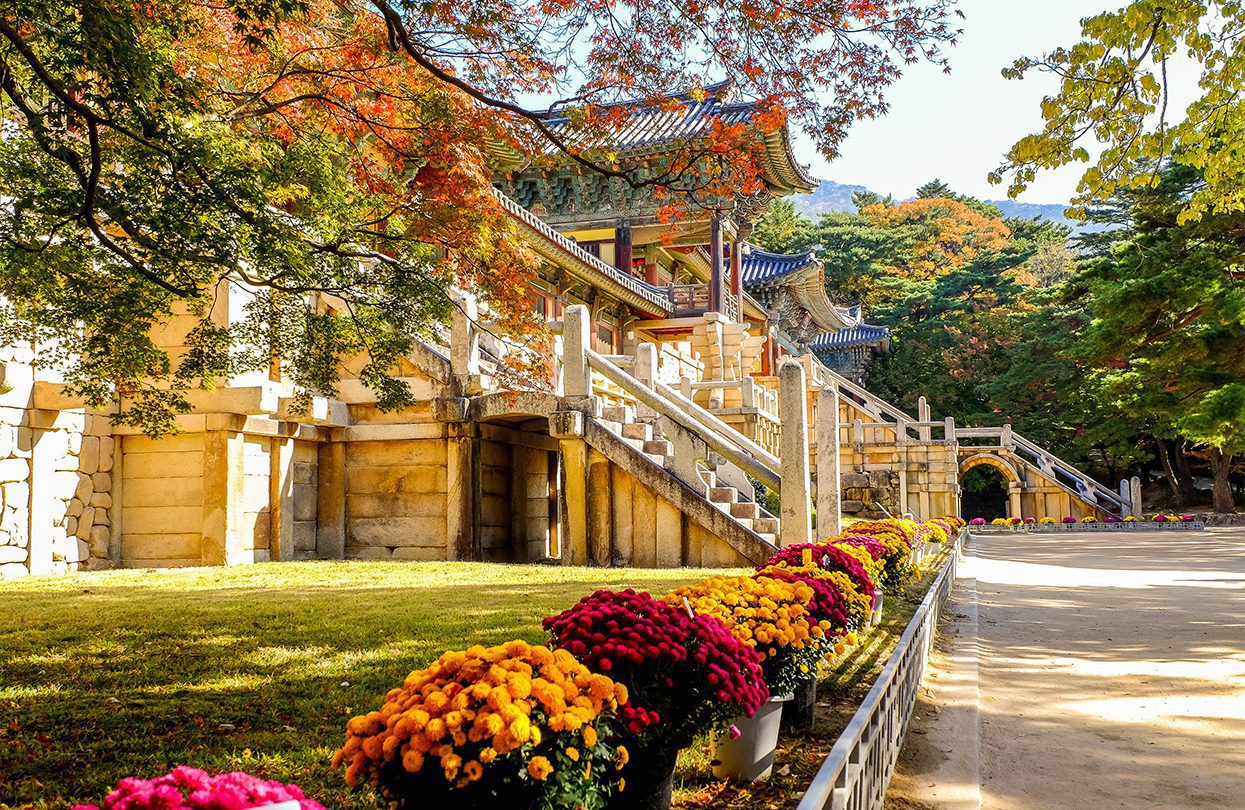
column 1115, row 88
column 783, row 229
column 1168, row 319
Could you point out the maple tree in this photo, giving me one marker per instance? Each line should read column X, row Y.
column 330, row 161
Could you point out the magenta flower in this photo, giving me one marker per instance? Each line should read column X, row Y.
column 187, row 788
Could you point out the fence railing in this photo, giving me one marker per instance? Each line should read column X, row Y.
column 855, row 774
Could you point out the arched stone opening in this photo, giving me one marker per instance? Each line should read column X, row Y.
column 987, row 483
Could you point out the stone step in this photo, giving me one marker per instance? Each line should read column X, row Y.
column 618, row 413
column 745, row 510
column 611, row 425
column 765, row 525
column 709, row 477
column 659, row 447
column 638, row 444
column 637, row 430
column 772, row 539
column 657, row 458
column 723, row 494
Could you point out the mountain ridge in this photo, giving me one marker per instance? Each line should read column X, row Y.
column 831, row 197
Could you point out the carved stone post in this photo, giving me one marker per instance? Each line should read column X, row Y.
column 829, row 512
column 922, row 415
column 646, row 373
column 1134, row 496
column 796, row 514
column 576, row 378
column 464, row 341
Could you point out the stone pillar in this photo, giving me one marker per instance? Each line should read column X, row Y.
column 461, row 494
column 42, row 489
column 715, row 263
column 281, row 499
column 331, row 501
column 223, row 498
column 796, row 514
column 1013, row 499
column 600, row 516
column 1005, row 438
column 575, row 501
column 1134, row 496
column 829, row 496
column 922, row 415
column 576, row 340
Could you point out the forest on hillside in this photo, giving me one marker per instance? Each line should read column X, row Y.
column 1122, row 350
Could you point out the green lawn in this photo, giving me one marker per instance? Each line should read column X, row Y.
column 122, row 673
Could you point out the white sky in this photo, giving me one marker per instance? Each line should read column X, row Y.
column 957, row 127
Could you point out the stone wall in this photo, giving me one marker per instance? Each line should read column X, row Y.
column 866, row 494
column 396, row 499
column 56, row 478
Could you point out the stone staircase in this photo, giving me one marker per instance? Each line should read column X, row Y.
column 641, row 434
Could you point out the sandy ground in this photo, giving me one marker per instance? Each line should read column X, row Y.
column 1086, row 671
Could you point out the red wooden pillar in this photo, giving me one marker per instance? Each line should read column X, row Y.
column 715, row 263
column 622, row 246
column 737, row 277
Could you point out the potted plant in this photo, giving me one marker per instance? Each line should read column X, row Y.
column 771, row 615
column 187, row 788
column 516, row 726
column 685, row 674
column 829, row 609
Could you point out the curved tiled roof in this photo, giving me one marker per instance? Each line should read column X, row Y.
column 862, row 334
column 649, row 128
column 760, row 267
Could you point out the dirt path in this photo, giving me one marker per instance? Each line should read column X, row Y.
column 1086, row 671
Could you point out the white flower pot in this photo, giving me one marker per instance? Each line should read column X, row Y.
column 750, row 756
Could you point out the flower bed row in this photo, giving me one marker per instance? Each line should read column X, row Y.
column 1092, row 524
column 596, row 717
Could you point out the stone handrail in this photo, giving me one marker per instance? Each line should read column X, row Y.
column 856, row 392
column 1051, row 465
column 720, row 437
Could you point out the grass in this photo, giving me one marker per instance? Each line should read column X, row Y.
column 128, row 673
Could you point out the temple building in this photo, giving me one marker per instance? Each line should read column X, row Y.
column 694, row 378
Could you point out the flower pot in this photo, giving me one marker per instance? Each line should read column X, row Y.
column 800, row 714
column 750, row 756
column 650, row 779
column 875, row 616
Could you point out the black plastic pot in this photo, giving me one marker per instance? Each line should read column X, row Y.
column 650, row 780
column 800, row 713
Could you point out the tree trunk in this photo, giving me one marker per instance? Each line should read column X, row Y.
column 1220, row 465
column 1169, row 473
column 1183, row 474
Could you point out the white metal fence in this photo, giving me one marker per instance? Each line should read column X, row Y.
column 859, row 767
